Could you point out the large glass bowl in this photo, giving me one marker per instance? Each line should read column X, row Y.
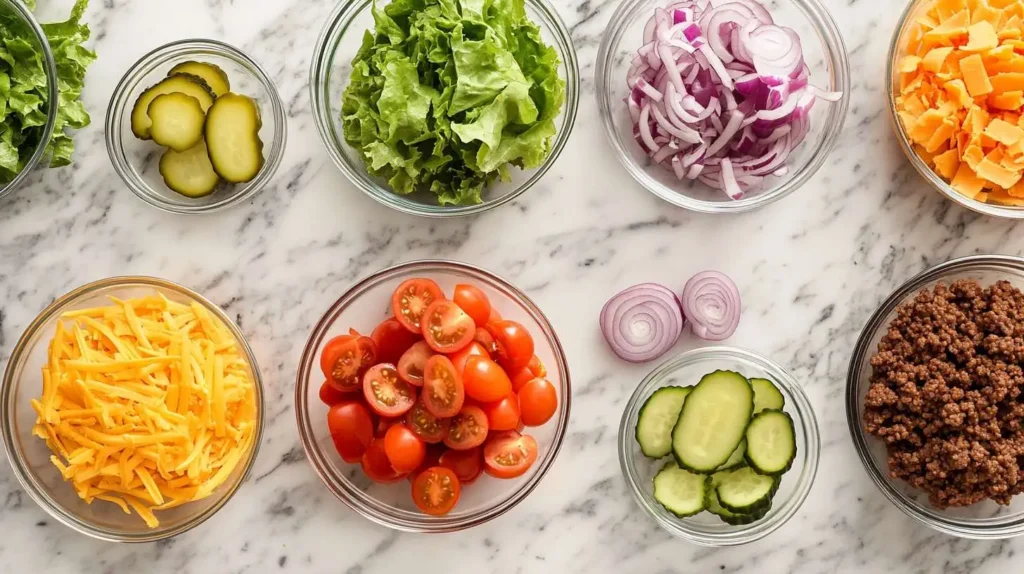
column 17, row 20
column 985, row 520
column 705, row 528
column 30, row 456
column 824, row 54
column 363, row 306
column 329, row 76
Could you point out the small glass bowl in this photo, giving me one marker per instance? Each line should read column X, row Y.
column 17, row 19
column 897, row 49
column 329, row 76
column 136, row 161
column 363, row 306
column 985, row 520
column 824, row 54
column 30, row 457
column 705, row 528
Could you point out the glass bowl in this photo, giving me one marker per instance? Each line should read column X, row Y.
column 897, row 49
column 705, row 528
column 16, row 19
column 136, row 161
column 361, row 307
column 30, row 457
column 825, row 56
column 340, row 39
column 985, row 520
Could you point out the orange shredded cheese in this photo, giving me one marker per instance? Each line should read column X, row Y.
column 960, row 95
column 146, row 403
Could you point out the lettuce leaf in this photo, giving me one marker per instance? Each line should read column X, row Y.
column 444, row 95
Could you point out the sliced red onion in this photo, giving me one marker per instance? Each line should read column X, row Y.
column 711, row 304
column 642, row 322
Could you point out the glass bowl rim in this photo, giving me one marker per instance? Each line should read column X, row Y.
column 801, row 411
column 929, row 517
column 366, row 505
column 835, row 53
column 330, row 36
column 52, row 94
column 145, row 66
column 40, row 494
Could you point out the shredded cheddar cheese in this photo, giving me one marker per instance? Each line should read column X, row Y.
column 960, row 94
column 146, row 403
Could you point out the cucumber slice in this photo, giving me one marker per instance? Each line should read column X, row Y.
column 184, row 83
column 766, row 395
column 712, row 421
column 743, row 491
column 232, row 138
column 656, row 419
column 715, row 507
column 681, row 492
column 176, row 120
column 212, row 74
column 190, row 172
column 736, row 459
column 771, row 442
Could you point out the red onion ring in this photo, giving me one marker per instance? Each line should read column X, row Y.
column 711, row 303
column 642, row 322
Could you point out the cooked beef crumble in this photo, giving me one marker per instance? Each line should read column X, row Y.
column 945, row 393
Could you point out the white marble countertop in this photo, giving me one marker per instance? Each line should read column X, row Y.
column 811, row 269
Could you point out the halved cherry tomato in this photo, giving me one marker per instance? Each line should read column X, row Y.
column 436, row 490
column 532, row 371
column 443, row 393
column 351, row 429
column 485, row 340
column 485, row 380
column 392, row 340
column 433, row 458
column 428, row 427
column 538, row 401
column 446, row 327
column 386, row 394
column 468, row 429
column 382, row 426
column 376, row 465
column 412, row 363
column 474, row 302
column 466, row 464
column 459, row 359
column 536, row 367
column 495, row 316
column 405, row 450
column 502, row 415
column 332, row 396
column 514, row 343
column 411, row 300
column 509, row 454
column 345, row 359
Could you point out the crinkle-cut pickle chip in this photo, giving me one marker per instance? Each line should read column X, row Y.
column 190, row 172
column 212, row 74
column 187, row 84
column 233, row 137
column 177, row 121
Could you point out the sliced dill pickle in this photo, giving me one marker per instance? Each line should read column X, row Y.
column 187, row 84
column 177, row 121
column 233, row 137
column 212, row 74
column 190, row 172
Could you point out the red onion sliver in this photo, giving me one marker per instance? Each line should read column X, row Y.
column 711, row 303
column 642, row 322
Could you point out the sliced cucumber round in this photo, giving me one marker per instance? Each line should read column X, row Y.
column 681, row 492
column 187, row 84
column 212, row 74
column 656, row 419
column 190, row 172
column 771, row 442
column 743, row 491
column 736, row 459
column 766, row 395
column 233, row 138
column 712, row 421
column 177, row 121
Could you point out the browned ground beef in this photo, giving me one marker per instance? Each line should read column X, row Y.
column 945, row 393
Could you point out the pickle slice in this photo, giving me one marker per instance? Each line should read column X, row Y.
column 187, row 84
column 212, row 74
column 177, row 121
column 190, row 172
column 233, row 139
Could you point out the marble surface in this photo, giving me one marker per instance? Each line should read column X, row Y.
column 811, row 269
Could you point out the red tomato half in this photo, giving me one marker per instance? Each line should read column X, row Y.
column 351, row 429
column 436, row 490
column 474, row 302
column 443, row 393
column 412, row 363
column 459, row 359
column 468, row 429
column 411, row 300
column 485, row 380
column 532, row 371
column 466, row 464
column 446, row 327
column 382, row 426
column 485, row 340
column 509, row 454
column 428, row 427
column 392, row 340
column 332, row 396
column 433, row 458
column 405, row 450
column 376, row 465
column 386, row 394
column 502, row 415
column 345, row 359
column 514, row 344
column 538, row 401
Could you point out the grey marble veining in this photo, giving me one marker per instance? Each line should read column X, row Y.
column 811, row 269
